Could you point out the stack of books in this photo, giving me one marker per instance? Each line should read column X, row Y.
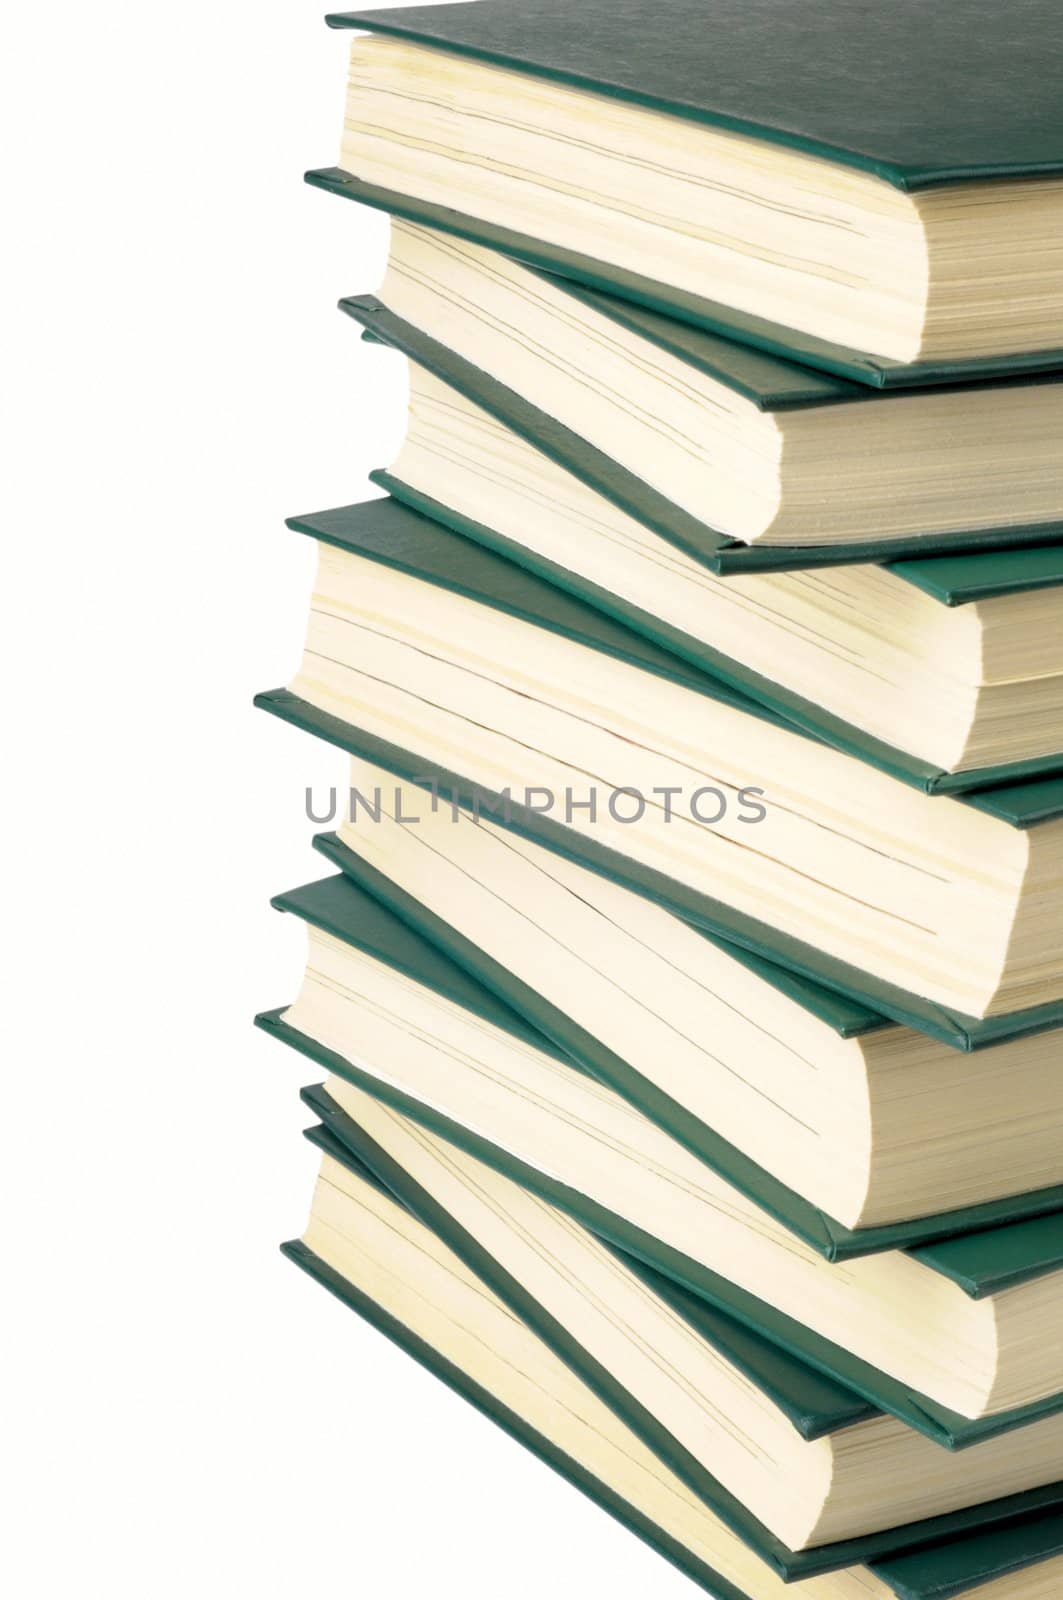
column 690, row 988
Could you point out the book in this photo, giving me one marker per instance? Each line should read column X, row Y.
column 950, row 698
column 525, row 817
column 857, row 1135
column 950, row 899
column 695, row 533
column 956, row 578
column 874, row 191
column 382, row 1260
column 910, row 1324
column 737, row 457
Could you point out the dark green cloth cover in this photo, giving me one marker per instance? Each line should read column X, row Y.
column 987, row 1258
column 506, row 576
column 712, row 916
column 959, row 580
column 632, row 494
column 966, row 1564
column 877, row 372
column 359, row 1151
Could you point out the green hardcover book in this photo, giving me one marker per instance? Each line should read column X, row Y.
column 815, row 651
column 741, row 460
column 955, row 579
column 874, row 191
column 833, row 490
column 851, row 1135
column 952, row 1026
column 959, row 695
column 486, row 669
column 386, row 1015
column 983, row 1248
column 521, row 1384
column 600, row 1321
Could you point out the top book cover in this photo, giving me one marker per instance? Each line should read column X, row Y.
column 873, row 188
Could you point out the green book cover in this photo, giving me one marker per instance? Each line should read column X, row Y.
column 961, row 1565
column 768, row 1368
column 990, row 1257
column 633, row 494
column 424, row 538
column 917, row 95
column 958, row 580
column 1022, row 805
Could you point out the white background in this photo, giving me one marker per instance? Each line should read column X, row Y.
column 185, row 1414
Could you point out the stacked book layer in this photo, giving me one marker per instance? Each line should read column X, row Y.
column 689, row 979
